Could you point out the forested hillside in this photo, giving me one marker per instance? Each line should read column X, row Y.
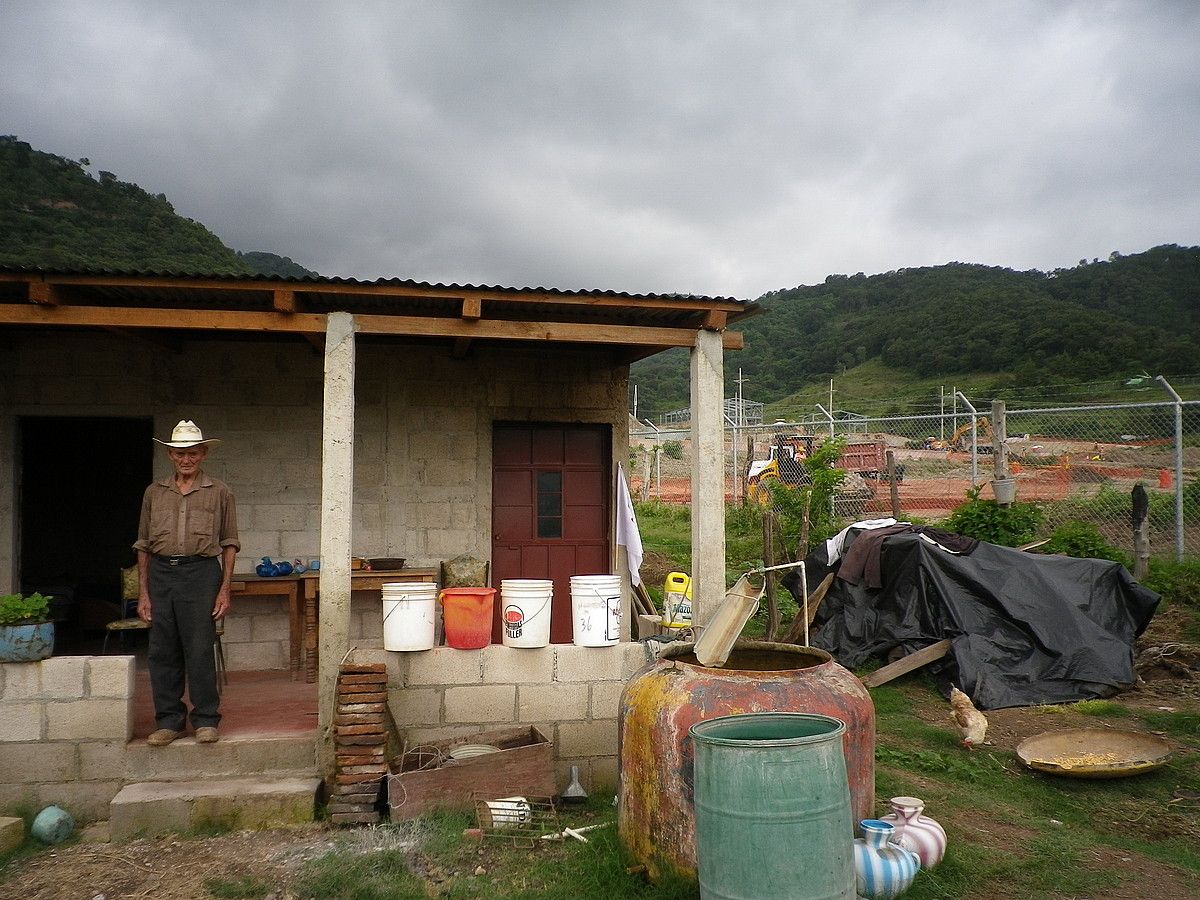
column 1102, row 318
column 263, row 263
column 53, row 213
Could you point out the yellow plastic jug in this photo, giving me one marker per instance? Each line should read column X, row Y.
column 677, row 601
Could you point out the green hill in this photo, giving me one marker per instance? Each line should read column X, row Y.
column 54, row 214
column 263, row 263
column 962, row 322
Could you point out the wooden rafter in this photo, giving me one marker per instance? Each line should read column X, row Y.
column 284, row 300
column 43, row 293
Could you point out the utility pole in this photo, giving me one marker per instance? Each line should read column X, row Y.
column 741, row 421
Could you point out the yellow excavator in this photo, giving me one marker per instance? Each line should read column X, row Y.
column 961, row 439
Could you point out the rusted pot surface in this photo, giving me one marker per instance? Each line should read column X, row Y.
column 670, row 695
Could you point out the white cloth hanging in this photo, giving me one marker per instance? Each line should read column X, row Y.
column 628, row 535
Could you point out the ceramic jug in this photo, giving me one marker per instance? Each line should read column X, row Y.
column 883, row 870
column 916, row 831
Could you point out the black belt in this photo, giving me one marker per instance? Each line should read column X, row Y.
column 182, row 560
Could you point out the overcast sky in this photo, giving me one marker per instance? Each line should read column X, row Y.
column 716, row 148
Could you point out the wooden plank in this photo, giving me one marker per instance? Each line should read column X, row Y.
column 1033, row 545
column 906, row 664
column 314, row 323
column 472, row 308
column 716, row 319
column 814, row 603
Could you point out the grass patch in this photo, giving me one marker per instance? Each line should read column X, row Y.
column 377, row 876
column 1177, row 724
column 1105, row 709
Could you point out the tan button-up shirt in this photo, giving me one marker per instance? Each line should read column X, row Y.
column 198, row 523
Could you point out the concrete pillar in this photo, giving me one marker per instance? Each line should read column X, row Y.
column 708, row 477
column 337, row 507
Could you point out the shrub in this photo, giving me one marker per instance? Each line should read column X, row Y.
column 1178, row 582
column 673, row 449
column 988, row 521
column 1083, row 540
column 824, row 482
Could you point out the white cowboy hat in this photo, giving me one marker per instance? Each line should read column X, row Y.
column 186, row 434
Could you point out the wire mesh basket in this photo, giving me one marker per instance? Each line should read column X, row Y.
column 518, row 819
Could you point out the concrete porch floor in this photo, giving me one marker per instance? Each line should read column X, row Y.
column 253, row 705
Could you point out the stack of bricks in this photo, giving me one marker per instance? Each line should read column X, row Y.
column 361, row 743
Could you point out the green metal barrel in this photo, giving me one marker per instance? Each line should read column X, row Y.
column 772, row 808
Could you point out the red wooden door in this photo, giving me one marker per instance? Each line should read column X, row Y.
column 550, row 510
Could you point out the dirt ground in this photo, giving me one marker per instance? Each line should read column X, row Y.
column 178, row 868
column 1173, row 687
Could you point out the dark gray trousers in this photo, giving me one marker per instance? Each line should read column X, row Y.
column 182, row 634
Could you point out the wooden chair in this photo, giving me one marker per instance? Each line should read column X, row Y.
column 126, row 623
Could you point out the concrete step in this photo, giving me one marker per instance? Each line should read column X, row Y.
column 186, row 760
column 150, row 808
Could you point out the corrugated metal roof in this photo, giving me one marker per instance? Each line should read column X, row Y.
column 317, row 281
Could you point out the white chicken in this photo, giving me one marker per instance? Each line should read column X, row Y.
column 970, row 722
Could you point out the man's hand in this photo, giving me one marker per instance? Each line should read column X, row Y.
column 221, row 604
column 143, row 607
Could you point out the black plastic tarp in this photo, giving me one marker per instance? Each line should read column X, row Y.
column 1024, row 628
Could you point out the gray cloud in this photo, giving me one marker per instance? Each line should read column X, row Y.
column 719, row 148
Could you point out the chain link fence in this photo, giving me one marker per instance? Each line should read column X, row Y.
column 1079, row 463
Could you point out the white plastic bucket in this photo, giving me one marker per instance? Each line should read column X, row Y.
column 596, row 610
column 408, row 615
column 525, row 611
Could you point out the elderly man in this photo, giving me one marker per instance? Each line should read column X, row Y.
column 187, row 541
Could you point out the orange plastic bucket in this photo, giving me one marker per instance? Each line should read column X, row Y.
column 467, row 614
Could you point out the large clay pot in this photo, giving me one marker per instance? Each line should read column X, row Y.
column 662, row 701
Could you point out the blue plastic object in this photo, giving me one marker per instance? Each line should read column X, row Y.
column 283, row 567
column 53, row 825
column 26, row 643
column 266, row 568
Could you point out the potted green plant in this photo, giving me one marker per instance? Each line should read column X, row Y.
column 26, row 631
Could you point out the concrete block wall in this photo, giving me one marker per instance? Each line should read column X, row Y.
column 64, row 723
column 423, row 428
column 256, row 629
column 570, row 693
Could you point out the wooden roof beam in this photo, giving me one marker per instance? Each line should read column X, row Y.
column 472, row 308
column 314, row 323
column 450, row 292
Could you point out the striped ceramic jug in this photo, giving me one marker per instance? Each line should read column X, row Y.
column 883, row 870
column 916, row 831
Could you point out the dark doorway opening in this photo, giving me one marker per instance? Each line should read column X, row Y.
column 80, row 481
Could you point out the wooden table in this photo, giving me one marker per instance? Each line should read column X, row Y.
column 279, row 586
column 360, row 580
column 303, row 596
